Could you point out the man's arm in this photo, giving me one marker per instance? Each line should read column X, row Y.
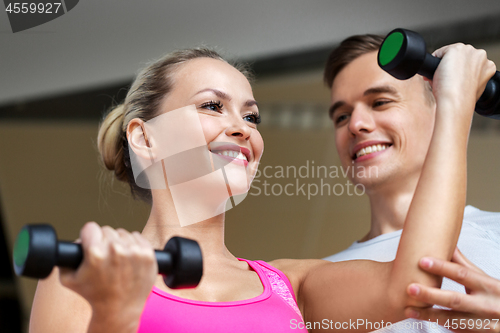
column 374, row 291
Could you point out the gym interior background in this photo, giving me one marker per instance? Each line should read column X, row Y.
column 58, row 79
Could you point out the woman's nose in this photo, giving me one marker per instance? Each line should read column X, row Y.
column 238, row 128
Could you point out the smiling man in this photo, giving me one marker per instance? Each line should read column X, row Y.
column 387, row 123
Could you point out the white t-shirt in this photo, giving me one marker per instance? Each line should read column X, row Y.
column 479, row 241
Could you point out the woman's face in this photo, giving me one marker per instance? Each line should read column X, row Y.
column 228, row 115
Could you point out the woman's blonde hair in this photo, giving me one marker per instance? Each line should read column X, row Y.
column 142, row 101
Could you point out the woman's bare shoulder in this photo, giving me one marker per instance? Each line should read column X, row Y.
column 57, row 308
column 297, row 269
column 297, row 265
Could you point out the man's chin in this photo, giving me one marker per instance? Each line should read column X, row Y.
column 370, row 184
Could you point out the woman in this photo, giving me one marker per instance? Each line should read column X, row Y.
column 113, row 285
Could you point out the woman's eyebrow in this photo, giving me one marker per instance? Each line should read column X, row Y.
column 216, row 92
column 225, row 96
column 251, row 102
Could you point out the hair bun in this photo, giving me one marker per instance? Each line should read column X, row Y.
column 110, row 141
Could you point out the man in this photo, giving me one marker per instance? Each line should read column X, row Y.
column 387, row 124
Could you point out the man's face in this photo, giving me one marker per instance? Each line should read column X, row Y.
column 383, row 126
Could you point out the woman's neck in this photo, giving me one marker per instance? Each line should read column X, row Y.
column 163, row 224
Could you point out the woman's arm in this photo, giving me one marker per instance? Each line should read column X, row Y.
column 106, row 293
column 371, row 291
column 435, row 215
column 476, row 311
column 58, row 309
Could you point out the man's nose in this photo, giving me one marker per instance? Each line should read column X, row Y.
column 361, row 120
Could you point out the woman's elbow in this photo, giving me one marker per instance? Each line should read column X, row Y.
column 399, row 299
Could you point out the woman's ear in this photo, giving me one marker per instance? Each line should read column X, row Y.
column 138, row 139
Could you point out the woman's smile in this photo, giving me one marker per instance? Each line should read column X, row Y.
column 231, row 152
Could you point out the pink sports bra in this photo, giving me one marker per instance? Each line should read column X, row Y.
column 275, row 310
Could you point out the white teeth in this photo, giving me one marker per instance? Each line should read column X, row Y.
column 371, row 149
column 233, row 154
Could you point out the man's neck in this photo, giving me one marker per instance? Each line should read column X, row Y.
column 389, row 207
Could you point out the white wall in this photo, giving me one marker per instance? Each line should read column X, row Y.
column 99, row 42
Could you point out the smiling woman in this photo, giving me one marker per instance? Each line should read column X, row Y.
column 116, row 289
column 142, row 101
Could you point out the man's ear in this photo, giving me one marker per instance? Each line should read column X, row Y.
column 138, row 139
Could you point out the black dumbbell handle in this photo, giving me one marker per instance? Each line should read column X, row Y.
column 70, row 255
column 429, row 66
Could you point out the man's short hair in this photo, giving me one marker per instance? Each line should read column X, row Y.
column 349, row 50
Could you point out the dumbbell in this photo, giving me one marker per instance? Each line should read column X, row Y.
column 37, row 251
column 403, row 54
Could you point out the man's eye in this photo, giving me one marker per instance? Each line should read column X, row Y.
column 340, row 118
column 381, row 102
column 212, row 105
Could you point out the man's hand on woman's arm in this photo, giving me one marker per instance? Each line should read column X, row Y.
column 476, row 311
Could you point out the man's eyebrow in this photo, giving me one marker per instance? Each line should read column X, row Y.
column 216, row 92
column 335, row 107
column 381, row 89
column 374, row 90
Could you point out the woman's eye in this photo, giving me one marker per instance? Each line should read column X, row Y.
column 213, row 106
column 253, row 118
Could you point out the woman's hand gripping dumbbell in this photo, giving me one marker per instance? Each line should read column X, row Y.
column 37, row 251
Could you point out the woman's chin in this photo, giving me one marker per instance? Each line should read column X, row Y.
column 238, row 182
column 239, row 190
